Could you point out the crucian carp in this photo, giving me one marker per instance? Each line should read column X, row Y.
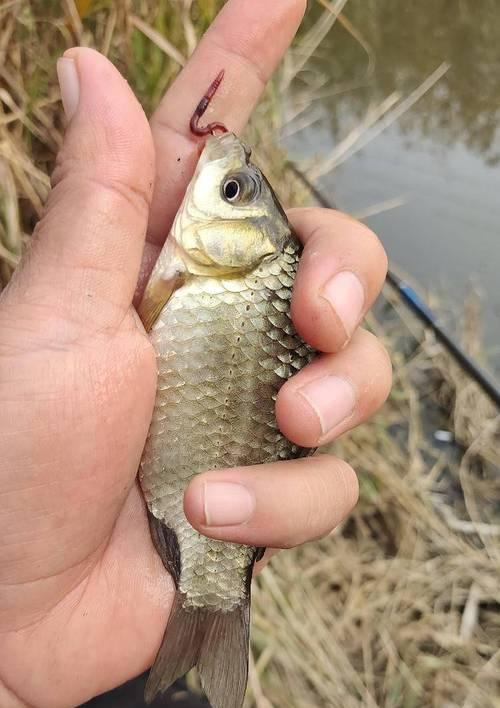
column 217, row 308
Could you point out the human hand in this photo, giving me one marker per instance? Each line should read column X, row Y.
column 84, row 598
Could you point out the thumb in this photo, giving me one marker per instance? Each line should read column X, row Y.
column 85, row 255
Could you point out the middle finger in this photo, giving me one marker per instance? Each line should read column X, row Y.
column 335, row 392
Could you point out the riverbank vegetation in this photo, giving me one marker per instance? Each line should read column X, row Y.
column 399, row 607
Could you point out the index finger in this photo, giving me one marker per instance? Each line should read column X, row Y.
column 247, row 39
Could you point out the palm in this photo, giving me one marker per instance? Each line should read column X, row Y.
column 100, row 580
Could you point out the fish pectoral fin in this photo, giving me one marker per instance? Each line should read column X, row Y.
column 215, row 642
column 168, row 274
column 158, row 292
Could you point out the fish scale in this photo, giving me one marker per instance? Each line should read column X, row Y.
column 209, row 406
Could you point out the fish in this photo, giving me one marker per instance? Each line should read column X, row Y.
column 217, row 309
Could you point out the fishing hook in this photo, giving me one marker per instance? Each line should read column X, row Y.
column 202, row 106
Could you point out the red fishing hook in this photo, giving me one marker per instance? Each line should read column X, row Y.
column 202, row 106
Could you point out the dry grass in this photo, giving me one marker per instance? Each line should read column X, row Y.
column 400, row 606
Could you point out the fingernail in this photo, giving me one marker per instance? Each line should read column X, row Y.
column 332, row 399
column 346, row 295
column 227, row 504
column 69, row 85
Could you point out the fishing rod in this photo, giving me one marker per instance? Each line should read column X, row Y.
column 423, row 312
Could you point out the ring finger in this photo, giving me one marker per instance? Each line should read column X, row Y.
column 335, row 393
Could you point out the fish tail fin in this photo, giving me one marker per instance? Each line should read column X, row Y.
column 223, row 660
column 179, row 650
column 215, row 642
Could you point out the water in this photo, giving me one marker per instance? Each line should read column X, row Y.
column 441, row 158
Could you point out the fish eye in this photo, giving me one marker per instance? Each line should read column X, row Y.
column 231, row 190
column 241, row 188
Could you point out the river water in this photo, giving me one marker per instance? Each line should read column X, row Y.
column 433, row 175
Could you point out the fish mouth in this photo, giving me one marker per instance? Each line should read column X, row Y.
column 228, row 147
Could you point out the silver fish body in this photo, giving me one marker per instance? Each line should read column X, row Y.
column 225, row 344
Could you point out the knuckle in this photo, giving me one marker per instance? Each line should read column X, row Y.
column 381, row 257
column 287, row 543
column 362, row 237
column 375, row 348
column 350, row 482
column 336, row 494
column 356, row 238
column 344, row 495
column 73, row 175
column 387, row 363
column 384, row 365
column 380, row 362
column 341, row 471
column 316, row 488
column 135, row 195
column 373, row 244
